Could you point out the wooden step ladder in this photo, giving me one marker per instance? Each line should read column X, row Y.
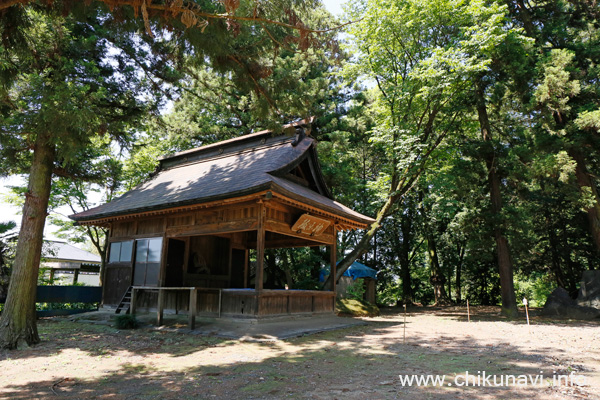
column 125, row 303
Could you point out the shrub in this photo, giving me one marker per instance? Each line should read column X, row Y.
column 126, row 321
column 66, row 306
column 356, row 290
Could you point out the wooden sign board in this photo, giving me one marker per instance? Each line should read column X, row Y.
column 310, row 225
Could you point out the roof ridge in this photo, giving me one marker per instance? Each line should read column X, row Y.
column 233, row 140
column 214, row 145
column 252, row 149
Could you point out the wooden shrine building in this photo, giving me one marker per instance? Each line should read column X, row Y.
column 181, row 240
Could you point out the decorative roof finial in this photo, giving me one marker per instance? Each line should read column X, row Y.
column 300, row 134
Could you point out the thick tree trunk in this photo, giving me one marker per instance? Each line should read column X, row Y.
column 505, row 267
column 585, row 180
column 18, row 321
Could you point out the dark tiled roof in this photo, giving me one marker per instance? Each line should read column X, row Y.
column 234, row 168
column 314, row 199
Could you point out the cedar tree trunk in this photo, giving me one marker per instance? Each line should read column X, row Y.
column 18, row 321
column 505, row 267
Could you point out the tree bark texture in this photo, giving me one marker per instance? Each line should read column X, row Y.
column 505, row 267
column 18, row 321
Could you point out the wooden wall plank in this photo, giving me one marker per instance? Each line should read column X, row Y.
column 213, row 228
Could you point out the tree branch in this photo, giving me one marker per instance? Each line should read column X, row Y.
column 182, row 10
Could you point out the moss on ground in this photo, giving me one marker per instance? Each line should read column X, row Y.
column 356, row 308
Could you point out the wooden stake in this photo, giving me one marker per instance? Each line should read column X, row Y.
column 527, row 313
column 404, row 324
column 468, row 311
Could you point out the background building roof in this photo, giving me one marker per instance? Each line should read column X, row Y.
column 54, row 250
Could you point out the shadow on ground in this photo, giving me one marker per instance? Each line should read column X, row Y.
column 352, row 363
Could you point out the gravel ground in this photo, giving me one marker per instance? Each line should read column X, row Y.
column 79, row 360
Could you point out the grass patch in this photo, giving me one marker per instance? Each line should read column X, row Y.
column 356, row 308
column 263, row 387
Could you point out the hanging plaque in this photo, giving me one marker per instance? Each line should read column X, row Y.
column 310, row 225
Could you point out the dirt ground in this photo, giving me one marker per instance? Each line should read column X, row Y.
column 79, row 360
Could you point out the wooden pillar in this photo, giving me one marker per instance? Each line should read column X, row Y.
column 52, row 275
column 220, row 301
column 260, row 246
column 192, row 308
column 75, row 276
column 246, row 256
column 161, row 307
column 333, row 260
column 132, row 304
column 163, row 258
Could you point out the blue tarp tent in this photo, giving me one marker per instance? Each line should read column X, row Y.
column 356, row 270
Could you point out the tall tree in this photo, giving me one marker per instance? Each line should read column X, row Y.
column 505, row 265
column 423, row 57
column 565, row 96
column 67, row 92
column 94, row 75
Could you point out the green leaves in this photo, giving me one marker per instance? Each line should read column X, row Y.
column 557, row 87
column 588, row 121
